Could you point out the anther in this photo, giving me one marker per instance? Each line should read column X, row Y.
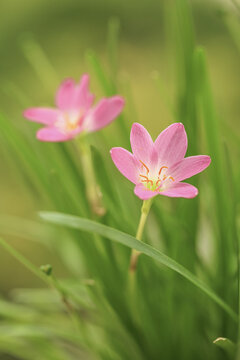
column 144, row 166
column 163, row 167
column 145, row 177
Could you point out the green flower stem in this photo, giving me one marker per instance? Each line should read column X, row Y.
column 70, row 309
column 47, row 278
column 144, row 214
column 25, row 262
column 92, row 190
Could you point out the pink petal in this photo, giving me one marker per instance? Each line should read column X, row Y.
column 65, row 94
column 104, row 113
column 171, row 144
column 126, row 163
column 189, row 166
column 71, row 96
column 144, row 193
column 45, row 116
column 52, row 134
column 142, row 144
column 181, row 190
column 82, row 98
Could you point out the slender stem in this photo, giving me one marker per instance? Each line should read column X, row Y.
column 25, row 262
column 238, row 295
column 44, row 276
column 64, row 296
column 92, row 190
column 144, row 214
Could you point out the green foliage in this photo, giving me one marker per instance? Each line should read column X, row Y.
column 125, row 239
column 94, row 312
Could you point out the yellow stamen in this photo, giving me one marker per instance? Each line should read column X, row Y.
column 145, row 177
column 144, row 166
column 163, row 167
column 155, row 184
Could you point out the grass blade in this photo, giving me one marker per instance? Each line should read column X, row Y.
column 128, row 240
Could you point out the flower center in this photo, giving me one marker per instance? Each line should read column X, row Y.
column 69, row 121
column 154, row 182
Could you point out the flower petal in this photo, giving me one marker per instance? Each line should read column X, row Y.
column 71, row 96
column 181, row 190
column 189, row 166
column 144, row 193
column 104, row 113
column 171, row 144
column 52, row 134
column 126, row 163
column 46, row 116
column 82, row 98
column 65, row 95
column 142, row 144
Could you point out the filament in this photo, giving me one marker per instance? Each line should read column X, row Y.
column 163, row 167
column 155, row 183
column 145, row 177
column 144, row 166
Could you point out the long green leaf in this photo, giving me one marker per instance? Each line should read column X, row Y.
column 128, row 240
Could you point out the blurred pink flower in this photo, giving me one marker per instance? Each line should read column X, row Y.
column 73, row 113
column 159, row 167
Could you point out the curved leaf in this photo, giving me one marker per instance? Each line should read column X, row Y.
column 227, row 345
column 128, row 240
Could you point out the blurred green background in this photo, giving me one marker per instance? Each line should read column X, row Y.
column 64, row 30
column 43, row 42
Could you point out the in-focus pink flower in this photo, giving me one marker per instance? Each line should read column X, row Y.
column 74, row 112
column 159, row 167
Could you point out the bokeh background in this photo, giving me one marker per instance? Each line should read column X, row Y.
column 64, row 31
column 43, row 42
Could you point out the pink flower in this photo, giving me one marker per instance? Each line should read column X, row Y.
column 73, row 113
column 159, row 167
